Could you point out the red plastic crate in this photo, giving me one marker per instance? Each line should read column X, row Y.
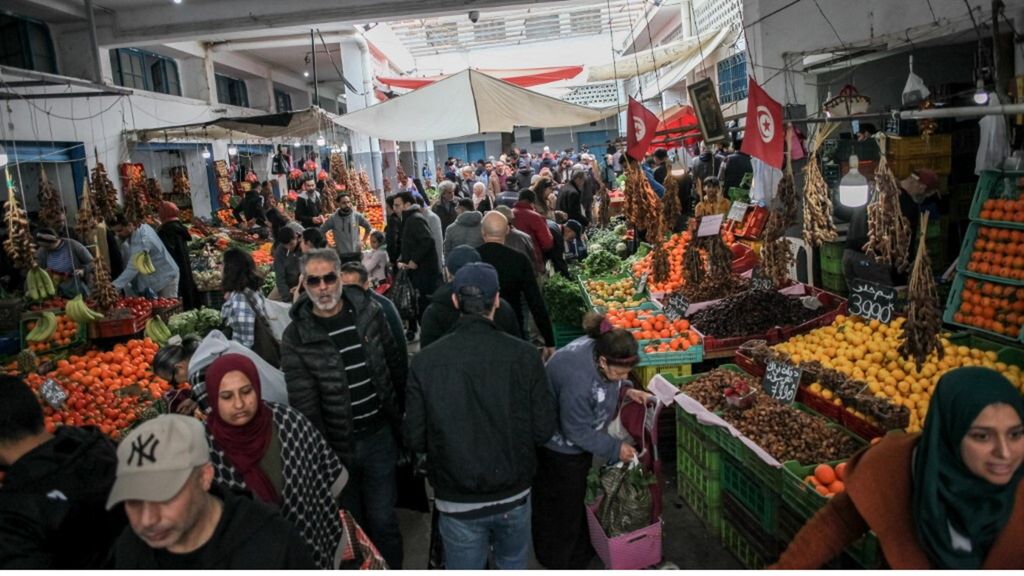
column 744, row 262
column 118, row 328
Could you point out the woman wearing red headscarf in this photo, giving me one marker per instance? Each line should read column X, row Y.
column 274, row 452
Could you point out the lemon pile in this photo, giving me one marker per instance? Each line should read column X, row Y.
column 868, row 351
column 616, row 295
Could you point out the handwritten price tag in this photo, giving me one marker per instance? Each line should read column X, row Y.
column 53, row 393
column 710, row 225
column 872, row 301
column 738, row 211
column 781, row 380
column 759, row 281
column 676, row 306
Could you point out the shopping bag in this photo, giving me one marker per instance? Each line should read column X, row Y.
column 627, row 504
column 278, row 316
column 403, row 294
column 358, row 552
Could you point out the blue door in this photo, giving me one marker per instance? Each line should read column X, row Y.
column 457, row 151
column 475, row 151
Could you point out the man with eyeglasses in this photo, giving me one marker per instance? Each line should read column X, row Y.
column 346, row 373
column 346, row 224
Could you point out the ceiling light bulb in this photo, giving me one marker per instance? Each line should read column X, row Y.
column 177, row 1
column 344, row 148
column 981, row 95
column 321, row 141
column 853, row 188
column 232, row 150
column 206, row 154
column 297, row 143
column 305, row 73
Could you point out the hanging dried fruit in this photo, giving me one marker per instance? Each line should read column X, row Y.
column 924, row 319
column 888, row 229
column 719, row 258
column 818, row 224
column 20, row 246
column 661, row 269
column 85, row 227
column 400, row 177
column 693, row 265
column 338, row 172
column 154, row 193
column 776, row 255
column 328, row 197
column 671, row 207
column 104, row 194
column 134, row 203
column 102, row 289
column 51, row 207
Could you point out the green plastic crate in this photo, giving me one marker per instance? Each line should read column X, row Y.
column 706, row 480
column 643, row 374
column 756, row 497
column 803, row 499
column 864, row 553
column 992, row 185
column 691, row 437
column 692, row 355
column 967, row 249
column 752, row 546
column 832, row 257
column 708, row 510
column 1008, row 354
column 565, row 333
column 953, row 304
column 834, row 282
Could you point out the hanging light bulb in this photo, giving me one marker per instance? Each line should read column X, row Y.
column 305, row 73
column 206, row 154
column 232, row 150
column 981, row 95
column 297, row 143
column 853, row 188
column 344, row 148
column 321, row 141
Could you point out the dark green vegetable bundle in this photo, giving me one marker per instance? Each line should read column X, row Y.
column 565, row 300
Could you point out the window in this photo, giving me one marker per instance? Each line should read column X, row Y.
column 541, row 26
column 491, row 30
column 282, row 101
column 232, row 91
column 536, row 135
column 26, row 44
column 588, row 22
column 732, row 78
column 446, row 34
column 134, row 68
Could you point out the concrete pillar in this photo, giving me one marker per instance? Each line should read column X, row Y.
column 365, row 149
column 268, row 84
column 211, row 77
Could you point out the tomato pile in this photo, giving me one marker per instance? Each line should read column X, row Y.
column 994, row 307
column 67, row 332
column 105, row 389
column 998, row 252
column 55, row 303
column 1003, row 210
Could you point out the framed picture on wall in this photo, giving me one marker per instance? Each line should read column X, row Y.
column 709, row 113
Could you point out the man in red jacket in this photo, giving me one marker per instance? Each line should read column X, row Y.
column 528, row 220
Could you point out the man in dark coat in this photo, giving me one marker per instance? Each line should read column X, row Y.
column 308, row 208
column 479, row 406
column 735, row 167
column 516, row 275
column 445, row 205
column 250, row 208
column 52, row 500
column 418, row 253
column 441, row 315
column 176, row 238
column 346, row 374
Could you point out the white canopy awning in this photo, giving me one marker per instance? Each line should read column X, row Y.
column 466, row 103
column 646, row 61
column 671, row 76
column 306, row 123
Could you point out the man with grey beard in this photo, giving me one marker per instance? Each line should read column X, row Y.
column 346, row 373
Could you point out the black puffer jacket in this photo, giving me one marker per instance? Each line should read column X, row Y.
column 479, row 405
column 441, row 316
column 53, row 504
column 317, row 386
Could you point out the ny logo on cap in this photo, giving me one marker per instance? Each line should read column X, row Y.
column 144, row 449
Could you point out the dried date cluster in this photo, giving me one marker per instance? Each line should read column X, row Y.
column 790, row 434
column 751, row 312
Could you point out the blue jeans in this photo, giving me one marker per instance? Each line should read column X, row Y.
column 467, row 542
column 371, row 492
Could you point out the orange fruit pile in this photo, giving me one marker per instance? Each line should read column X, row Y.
column 826, row 480
column 67, row 332
column 1003, row 210
column 998, row 252
column 991, row 306
column 674, row 335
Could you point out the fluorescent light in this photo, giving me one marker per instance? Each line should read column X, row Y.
column 206, row 154
column 177, row 1
column 853, row 188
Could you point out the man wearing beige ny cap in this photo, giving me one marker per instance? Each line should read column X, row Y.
column 180, row 520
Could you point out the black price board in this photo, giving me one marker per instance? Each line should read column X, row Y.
column 53, row 393
column 759, row 281
column 676, row 306
column 872, row 301
column 781, row 380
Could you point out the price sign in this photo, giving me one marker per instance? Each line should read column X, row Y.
column 758, row 281
column 738, row 211
column 872, row 301
column 781, row 380
column 710, row 225
column 676, row 306
column 53, row 393
column 642, row 285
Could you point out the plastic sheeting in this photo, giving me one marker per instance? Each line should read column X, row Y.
column 523, row 77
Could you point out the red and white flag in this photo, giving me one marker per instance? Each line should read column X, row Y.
column 641, row 124
column 764, row 136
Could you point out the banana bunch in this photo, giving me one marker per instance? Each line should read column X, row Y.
column 44, row 329
column 79, row 311
column 38, row 284
column 157, row 331
column 143, row 263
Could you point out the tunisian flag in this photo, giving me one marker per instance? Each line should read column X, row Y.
column 765, row 135
column 641, row 124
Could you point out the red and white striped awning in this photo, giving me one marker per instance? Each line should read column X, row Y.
column 523, row 77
